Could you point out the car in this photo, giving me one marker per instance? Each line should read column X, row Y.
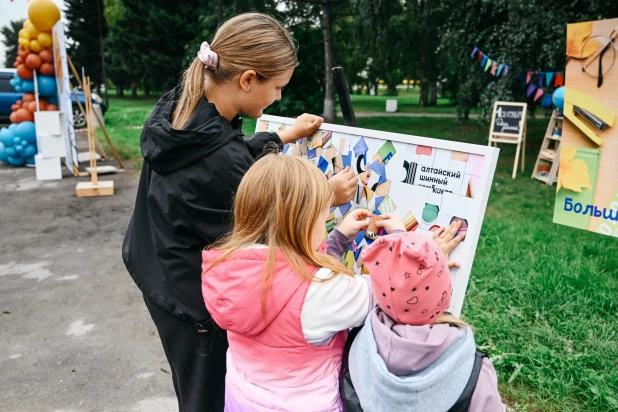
column 8, row 96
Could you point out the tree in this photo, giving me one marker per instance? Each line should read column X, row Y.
column 85, row 48
column 11, row 35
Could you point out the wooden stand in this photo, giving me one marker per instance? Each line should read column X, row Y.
column 94, row 187
column 549, row 155
column 517, row 137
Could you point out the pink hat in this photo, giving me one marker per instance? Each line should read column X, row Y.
column 409, row 277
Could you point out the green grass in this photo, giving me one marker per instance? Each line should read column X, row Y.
column 543, row 298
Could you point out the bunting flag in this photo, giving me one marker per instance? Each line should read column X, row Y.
column 489, row 63
column 548, row 77
column 528, row 77
column 531, row 89
column 500, row 70
column 474, row 52
column 480, row 56
column 484, row 61
column 539, row 93
column 506, row 70
column 540, row 77
column 494, row 67
column 546, row 102
column 559, row 80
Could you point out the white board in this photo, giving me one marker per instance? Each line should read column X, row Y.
column 420, row 175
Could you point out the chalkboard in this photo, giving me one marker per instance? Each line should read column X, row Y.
column 507, row 119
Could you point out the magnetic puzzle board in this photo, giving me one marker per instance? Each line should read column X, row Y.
column 427, row 182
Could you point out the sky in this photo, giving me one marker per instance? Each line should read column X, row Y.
column 15, row 10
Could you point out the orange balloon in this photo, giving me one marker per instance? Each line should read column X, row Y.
column 19, row 60
column 31, row 107
column 13, row 117
column 52, row 107
column 47, row 56
column 20, row 48
column 19, row 103
column 33, row 61
column 14, row 107
column 47, row 69
column 24, row 72
column 23, row 115
column 28, row 97
column 15, row 64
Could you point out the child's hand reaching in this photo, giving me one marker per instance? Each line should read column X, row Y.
column 391, row 222
column 344, row 184
column 354, row 223
column 447, row 239
column 303, row 126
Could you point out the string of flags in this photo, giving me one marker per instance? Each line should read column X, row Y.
column 533, row 81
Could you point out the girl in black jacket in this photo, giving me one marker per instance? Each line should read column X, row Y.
column 195, row 155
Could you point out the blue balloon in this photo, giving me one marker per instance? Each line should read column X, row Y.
column 19, row 148
column 18, row 89
column 47, row 86
column 30, row 160
column 52, row 100
column 558, row 98
column 27, row 86
column 3, row 156
column 10, row 151
column 16, row 141
column 13, row 82
column 12, row 127
column 6, row 136
column 26, row 131
column 29, row 151
column 17, row 161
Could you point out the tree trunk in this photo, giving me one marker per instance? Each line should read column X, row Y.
column 329, row 86
column 220, row 14
column 423, row 98
column 119, row 91
column 134, row 90
column 433, row 98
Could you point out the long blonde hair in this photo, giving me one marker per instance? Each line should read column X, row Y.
column 249, row 41
column 278, row 202
column 447, row 318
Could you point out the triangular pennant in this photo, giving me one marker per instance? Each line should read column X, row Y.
column 540, row 78
column 528, row 77
column 488, row 64
column 499, row 69
column 531, row 89
column 494, row 67
column 546, row 102
column 548, row 77
column 480, row 56
column 521, row 78
column 474, row 52
column 506, row 70
column 559, row 80
column 539, row 93
column 483, row 61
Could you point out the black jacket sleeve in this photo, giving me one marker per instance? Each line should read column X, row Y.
column 262, row 143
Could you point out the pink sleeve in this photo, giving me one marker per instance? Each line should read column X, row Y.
column 486, row 397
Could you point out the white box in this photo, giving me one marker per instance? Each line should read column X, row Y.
column 50, row 134
column 47, row 168
column 391, row 106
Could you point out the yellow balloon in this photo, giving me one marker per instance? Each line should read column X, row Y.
column 23, row 42
column 23, row 33
column 45, row 39
column 27, row 24
column 34, row 33
column 35, row 46
column 43, row 14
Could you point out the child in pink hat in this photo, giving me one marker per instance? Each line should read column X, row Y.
column 411, row 351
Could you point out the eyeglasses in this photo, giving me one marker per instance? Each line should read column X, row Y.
column 605, row 53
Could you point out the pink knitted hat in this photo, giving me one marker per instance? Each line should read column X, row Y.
column 409, row 277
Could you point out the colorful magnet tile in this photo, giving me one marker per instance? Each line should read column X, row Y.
column 323, row 165
column 315, row 140
column 326, row 137
column 359, row 237
column 430, row 212
column 387, row 206
column 459, row 156
column 474, row 166
column 345, row 208
column 409, row 172
column 424, row 150
column 311, row 153
column 410, row 221
column 360, row 147
column 347, row 160
column 383, row 189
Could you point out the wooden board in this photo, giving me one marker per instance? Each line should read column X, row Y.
column 88, row 189
column 607, row 177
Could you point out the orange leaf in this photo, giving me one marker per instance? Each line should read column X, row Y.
column 572, row 173
column 576, row 36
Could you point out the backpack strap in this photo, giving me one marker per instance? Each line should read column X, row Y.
column 348, row 395
column 463, row 403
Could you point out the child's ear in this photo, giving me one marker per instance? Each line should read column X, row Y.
column 247, row 79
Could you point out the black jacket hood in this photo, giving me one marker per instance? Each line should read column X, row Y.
column 166, row 149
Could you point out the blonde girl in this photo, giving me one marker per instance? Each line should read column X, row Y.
column 195, row 155
column 285, row 298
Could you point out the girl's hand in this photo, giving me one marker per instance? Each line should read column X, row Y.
column 447, row 239
column 354, row 223
column 391, row 222
column 344, row 184
column 303, row 126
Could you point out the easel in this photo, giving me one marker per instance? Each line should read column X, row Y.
column 99, row 120
column 550, row 150
column 94, row 187
column 519, row 139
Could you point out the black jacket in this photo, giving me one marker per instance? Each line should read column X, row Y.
column 184, row 202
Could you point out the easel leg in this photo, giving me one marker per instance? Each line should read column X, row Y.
column 516, row 159
column 523, row 151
